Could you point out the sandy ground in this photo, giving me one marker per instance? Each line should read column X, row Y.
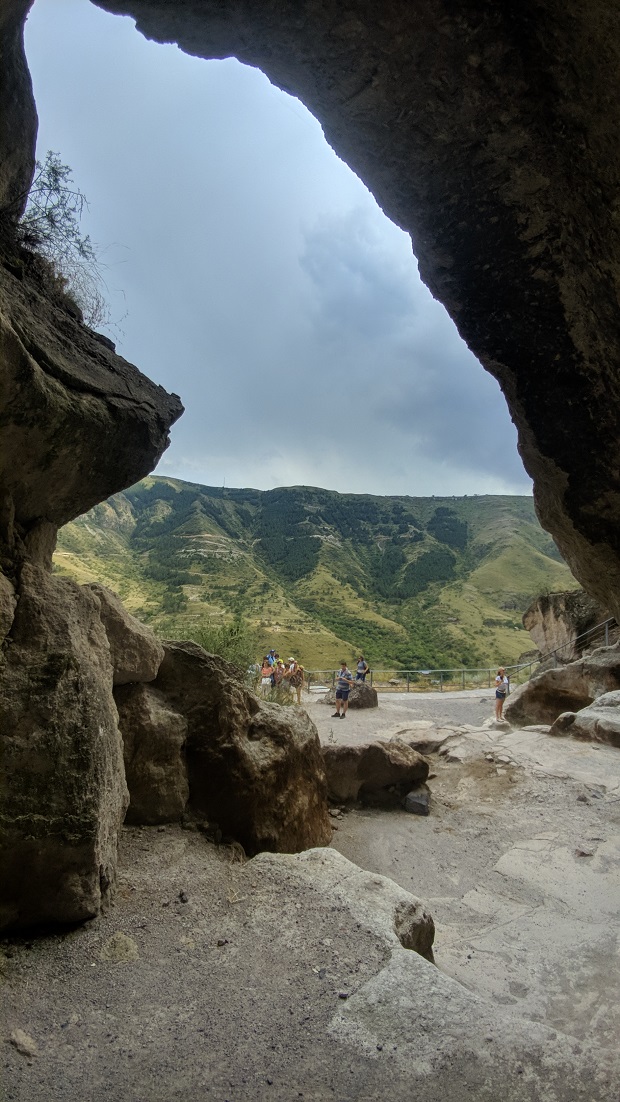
column 400, row 711
column 210, row 980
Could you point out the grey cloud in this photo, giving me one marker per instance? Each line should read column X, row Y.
column 260, row 279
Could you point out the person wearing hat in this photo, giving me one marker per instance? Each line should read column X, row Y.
column 295, row 674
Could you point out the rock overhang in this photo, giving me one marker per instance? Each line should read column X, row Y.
column 489, row 134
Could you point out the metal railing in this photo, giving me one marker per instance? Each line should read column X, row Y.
column 391, row 679
column 600, row 634
column 423, row 681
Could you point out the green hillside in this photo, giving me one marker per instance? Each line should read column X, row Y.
column 410, row 582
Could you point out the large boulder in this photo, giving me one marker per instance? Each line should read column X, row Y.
column 386, row 908
column 154, row 737
column 63, row 793
column 599, row 722
column 375, row 772
column 254, row 768
column 568, row 688
column 135, row 650
column 362, row 695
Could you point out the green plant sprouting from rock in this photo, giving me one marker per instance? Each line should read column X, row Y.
column 50, row 226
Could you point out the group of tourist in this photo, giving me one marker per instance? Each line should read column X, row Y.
column 274, row 672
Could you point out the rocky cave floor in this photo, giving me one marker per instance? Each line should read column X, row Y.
column 211, row 977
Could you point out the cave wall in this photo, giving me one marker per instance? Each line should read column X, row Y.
column 487, row 131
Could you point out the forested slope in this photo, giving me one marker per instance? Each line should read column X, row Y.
column 413, row 582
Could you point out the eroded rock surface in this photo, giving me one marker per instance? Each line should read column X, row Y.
column 599, row 722
column 568, row 688
column 254, row 768
column 78, row 422
column 135, row 650
column 374, row 772
column 554, row 620
column 384, row 906
column 62, row 780
column 154, row 736
column 361, row 695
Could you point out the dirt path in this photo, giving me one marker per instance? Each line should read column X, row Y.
column 401, row 710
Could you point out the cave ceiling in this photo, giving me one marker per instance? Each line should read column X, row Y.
column 489, row 133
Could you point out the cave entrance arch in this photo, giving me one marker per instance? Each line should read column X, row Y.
column 278, row 282
column 490, row 135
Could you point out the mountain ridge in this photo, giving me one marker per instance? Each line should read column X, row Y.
column 409, row 581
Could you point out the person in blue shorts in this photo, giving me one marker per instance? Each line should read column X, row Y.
column 344, row 682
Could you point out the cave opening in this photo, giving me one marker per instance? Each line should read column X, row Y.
column 252, row 272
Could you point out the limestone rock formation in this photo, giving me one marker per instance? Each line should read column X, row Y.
column 568, row 688
column 8, row 602
column 135, row 650
column 78, row 421
column 387, row 908
column 62, row 781
column 554, row 620
column 254, row 768
column 154, row 738
column 375, row 772
column 18, row 117
column 599, row 722
column 362, row 695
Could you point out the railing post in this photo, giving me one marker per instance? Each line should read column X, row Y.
column 371, row 679
column 463, row 683
column 441, row 681
column 407, row 680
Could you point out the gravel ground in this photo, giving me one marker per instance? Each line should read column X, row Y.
column 399, row 711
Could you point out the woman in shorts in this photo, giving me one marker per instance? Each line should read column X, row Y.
column 501, row 691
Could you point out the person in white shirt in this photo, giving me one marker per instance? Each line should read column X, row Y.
column 501, row 690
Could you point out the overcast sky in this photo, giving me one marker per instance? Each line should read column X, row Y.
column 251, row 272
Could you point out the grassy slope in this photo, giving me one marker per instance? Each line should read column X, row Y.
column 180, row 555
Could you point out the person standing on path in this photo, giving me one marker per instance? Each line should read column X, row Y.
column 501, row 689
column 344, row 682
column 295, row 674
column 362, row 669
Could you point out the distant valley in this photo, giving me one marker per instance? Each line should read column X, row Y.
column 411, row 582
